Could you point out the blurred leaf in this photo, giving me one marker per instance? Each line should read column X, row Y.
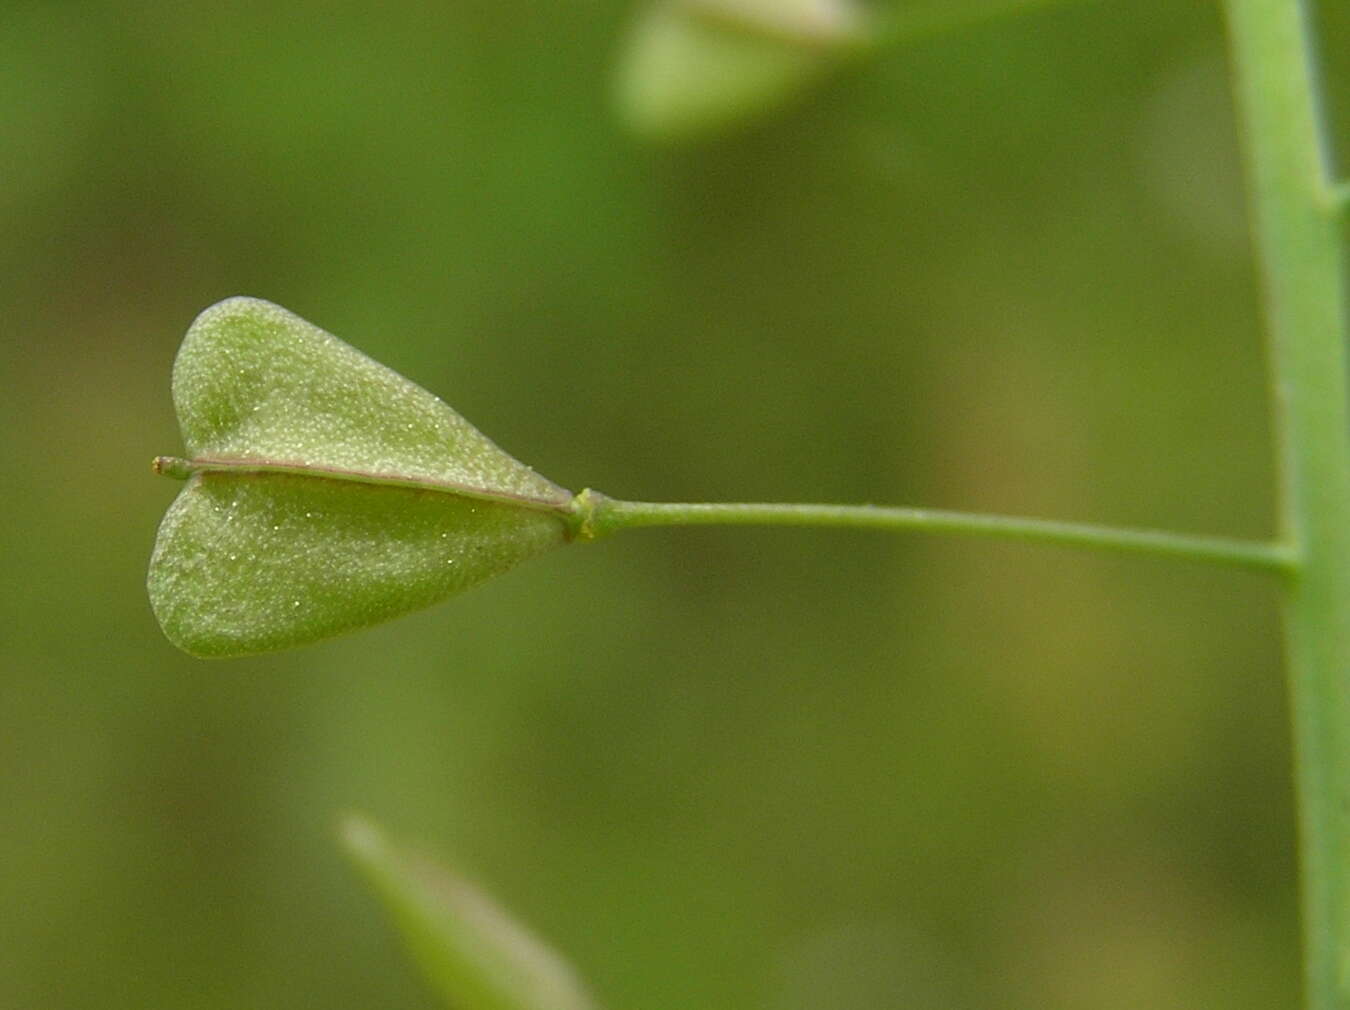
column 325, row 492
column 475, row 955
column 694, row 67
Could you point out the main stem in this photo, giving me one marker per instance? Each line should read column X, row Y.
column 1298, row 240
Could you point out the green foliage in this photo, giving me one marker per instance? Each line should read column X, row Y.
column 325, row 492
column 476, row 956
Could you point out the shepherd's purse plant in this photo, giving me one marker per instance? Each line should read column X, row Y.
column 325, row 493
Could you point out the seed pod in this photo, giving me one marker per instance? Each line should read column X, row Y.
column 696, row 67
column 324, row 492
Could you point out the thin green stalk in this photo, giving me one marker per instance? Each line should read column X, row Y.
column 600, row 515
column 1298, row 240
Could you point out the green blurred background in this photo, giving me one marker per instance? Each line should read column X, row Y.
column 1005, row 269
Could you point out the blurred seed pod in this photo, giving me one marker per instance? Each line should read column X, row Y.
column 695, row 68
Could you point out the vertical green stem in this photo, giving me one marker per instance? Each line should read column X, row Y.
column 1299, row 248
